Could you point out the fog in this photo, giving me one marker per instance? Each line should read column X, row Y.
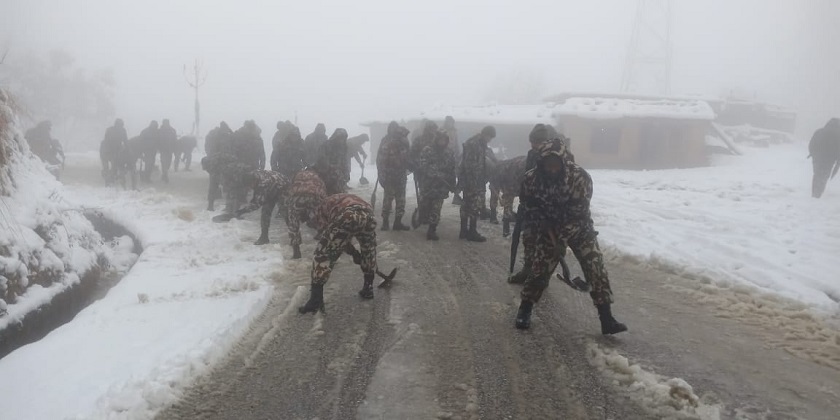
column 342, row 63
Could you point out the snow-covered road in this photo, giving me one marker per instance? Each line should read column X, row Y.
column 724, row 274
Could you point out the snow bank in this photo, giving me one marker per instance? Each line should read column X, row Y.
column 46, row 243
column 671, row 398
column 747, row 221
column 190, row 296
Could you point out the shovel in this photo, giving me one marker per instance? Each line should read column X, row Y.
column 363, row 180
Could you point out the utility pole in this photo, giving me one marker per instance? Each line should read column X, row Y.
column 648, row 66
column 199, row 76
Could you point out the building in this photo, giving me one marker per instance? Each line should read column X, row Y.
column 618, row 132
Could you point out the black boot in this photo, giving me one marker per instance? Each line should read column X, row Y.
column 520, row 277
column 506, row 228
column 431, row 234
column 386, row 224
column 398, row 224
column 315, row 302
column 367, row 289
column 296, row 252
column 263, row 237
column 494, row 216
column 484, row 214
column 608, row 324
column 463, row 234
column 210, row 206
column 523, row 317
column 473, row 235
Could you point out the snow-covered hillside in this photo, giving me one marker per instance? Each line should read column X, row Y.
column 46, row 243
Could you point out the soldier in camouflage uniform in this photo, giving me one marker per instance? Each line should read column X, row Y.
column 419, row 143
column 290, row 155
column 270, row 189
column 541, row 137
column 233, row 176
column 504, row 187
column 392, row 163
column 333, row 165
column 305, row 194
column 339, row 219
column 218, row 140
column 555, row 199
column 473, row 181
column 438, row 167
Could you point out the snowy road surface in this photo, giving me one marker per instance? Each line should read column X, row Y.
column 441, row 344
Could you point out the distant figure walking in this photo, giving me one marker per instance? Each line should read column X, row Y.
column 825, row 155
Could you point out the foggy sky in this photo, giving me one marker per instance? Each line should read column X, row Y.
column 347, row 62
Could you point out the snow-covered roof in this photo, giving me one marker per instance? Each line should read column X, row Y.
column 510, row 114
column 584, row 107
column 614, row 108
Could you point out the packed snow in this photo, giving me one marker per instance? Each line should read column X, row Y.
column 190, row 296
column 747, row 220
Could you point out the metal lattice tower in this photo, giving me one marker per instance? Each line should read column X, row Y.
column 648, row 67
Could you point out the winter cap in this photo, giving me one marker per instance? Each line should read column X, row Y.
column 489, row 131
column 554, row 147
column 539, row 134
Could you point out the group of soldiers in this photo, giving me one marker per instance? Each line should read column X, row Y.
column 308, row 182
column 120, row 155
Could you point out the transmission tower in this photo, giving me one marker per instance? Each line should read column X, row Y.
column 197, row 80
column 648, row 66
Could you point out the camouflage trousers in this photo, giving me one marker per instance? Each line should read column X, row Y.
column 430, row 207
column 394, row 192
column 355, row 222
column 299, row 207
column 473, row 203
column 506, row 201
column 543, row 250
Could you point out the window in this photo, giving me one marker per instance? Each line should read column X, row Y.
column 605, row 140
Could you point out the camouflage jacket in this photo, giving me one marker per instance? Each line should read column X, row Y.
column 507, row 175
column 330, row 210
column 392, row 158
column 534, row 155
column 233, row 172
column 473, row 171
column 558, row 204
column 438, row 168
column 269, row 186
column 308, row 183
column 290, row 157
column 333, row 162
column 417, row 146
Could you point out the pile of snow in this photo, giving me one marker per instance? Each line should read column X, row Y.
column 188, row 299
column 755, row 136
column 46, row 243
column 664, row 397
column 747, row 220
